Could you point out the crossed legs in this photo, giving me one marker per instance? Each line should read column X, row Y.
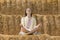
column 34, row 30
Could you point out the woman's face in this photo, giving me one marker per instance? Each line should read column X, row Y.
column 28, row 11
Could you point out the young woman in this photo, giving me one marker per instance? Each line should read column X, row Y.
column 28, row 23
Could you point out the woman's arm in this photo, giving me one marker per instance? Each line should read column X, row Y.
column 34, row 30
column 22, row 25
column 23, row 29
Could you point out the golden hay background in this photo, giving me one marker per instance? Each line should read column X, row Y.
column 50, row 24
column 44, row 7
column 29, row 37
column 47, row 12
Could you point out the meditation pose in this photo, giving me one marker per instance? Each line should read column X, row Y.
column 28, row 23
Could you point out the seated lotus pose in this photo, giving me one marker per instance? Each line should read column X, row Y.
column 28, row 23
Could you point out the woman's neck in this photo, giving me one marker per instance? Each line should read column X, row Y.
column 28, row 16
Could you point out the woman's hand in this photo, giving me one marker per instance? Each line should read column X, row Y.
column 38, row 25
column 21, row 25
column 23, row 29
column 34, row 30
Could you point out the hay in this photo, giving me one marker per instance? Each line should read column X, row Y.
column 38, row 6
column 50, row 24
column 25, row 37
column 55, row 37
column 29, row 37
column 10, row 24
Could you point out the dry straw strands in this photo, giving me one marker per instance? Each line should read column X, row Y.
column 50, row 24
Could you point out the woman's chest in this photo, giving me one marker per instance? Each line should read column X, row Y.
column 29, row 21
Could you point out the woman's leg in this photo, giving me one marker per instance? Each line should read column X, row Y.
column 34, row 30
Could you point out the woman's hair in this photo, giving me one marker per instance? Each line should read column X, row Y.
column 26, row 13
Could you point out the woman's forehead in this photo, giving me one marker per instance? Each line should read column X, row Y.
column 28, row 9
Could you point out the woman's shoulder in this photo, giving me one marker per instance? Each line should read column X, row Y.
column 33, row 18
column 22, row 17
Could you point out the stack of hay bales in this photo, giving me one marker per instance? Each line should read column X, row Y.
column 16, row 7
column 25, row 37
column 29, row 37
column 55, row 37
column 50, row 24
column 10, row 24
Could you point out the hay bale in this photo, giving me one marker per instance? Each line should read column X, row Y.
column 40, row 20
column 50, row 24
column 55, row 37
column 38, row 6
column 10, row 24
column 44, row 37
column 57, row 18
column 1, row 24
column 25, row 37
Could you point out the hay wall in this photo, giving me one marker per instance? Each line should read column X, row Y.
column 9, row 24
column 25, row 37
column 55, row 37
column 44, row 7
column 50, row 24
column 29, row 37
